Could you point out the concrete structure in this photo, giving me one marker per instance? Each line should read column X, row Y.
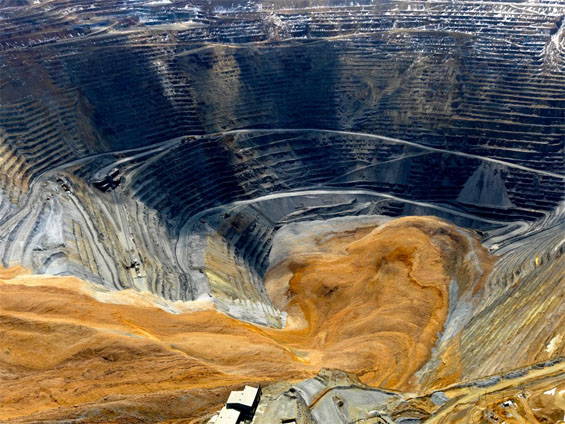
column 227, row 416
column 245, row 401
column 241, row 405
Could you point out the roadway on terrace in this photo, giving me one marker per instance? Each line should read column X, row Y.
column 546, row 374
column 514, row 228
column 399, row 141
column 160, row 146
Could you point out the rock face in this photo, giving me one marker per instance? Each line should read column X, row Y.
column 383, row 303
column 250, row 158
column 371, row 301
column 384, row 295
column 408, row 108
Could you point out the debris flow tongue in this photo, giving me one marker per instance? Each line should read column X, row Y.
column 198, row 196
column 372, row 304
column 372, row 301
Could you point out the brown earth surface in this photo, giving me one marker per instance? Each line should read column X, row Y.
column 372, row 303
column 538, row 397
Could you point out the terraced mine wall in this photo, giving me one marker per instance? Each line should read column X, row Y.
column 179, row 155
column 227, row 122
column 467, row 76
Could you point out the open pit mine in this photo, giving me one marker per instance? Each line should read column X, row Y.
column 287, row 211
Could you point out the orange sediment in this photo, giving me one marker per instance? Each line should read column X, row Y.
column 372, row 303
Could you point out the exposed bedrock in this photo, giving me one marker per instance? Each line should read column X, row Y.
column 371, row 295
column 466, row 89
column 186, row 232
column 190, row 151
column 367, row 297
column 467, row 76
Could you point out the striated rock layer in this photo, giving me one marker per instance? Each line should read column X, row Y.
column 214, row 185
column 373, row 304
column 451, row 109
column 382, row 293
column 374, row 301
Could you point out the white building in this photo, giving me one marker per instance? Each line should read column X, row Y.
column 227, row 416
column 241, row 405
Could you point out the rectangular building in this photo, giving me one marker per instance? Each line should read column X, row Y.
column 228, row 416
column 245, row 401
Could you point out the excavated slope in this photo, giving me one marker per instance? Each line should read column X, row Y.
column 395, row 108
column 235, row 158
column 373, row 305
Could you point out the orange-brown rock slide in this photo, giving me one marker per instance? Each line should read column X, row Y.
column 371, row 301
